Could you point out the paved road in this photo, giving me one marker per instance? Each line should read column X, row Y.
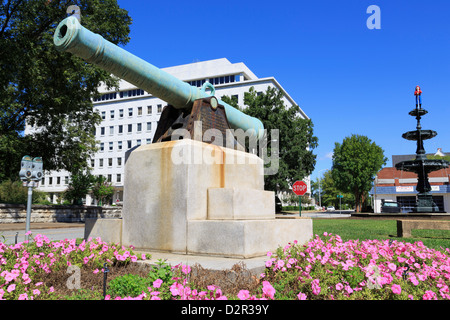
column 54, row 231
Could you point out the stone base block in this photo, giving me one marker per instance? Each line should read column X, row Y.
column 234, row 203
column 245, row 238
column 109, row 230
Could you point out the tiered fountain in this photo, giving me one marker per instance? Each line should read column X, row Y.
column 421, row 165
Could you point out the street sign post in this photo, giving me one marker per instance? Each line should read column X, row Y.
column 299, row 188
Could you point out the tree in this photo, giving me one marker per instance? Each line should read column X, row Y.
column 79, row 185
column 329, row 192
column 296, row 140
column 102, row 189
column 355, row 164
column 50, row 90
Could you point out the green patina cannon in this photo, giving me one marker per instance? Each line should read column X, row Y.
column 186, row 104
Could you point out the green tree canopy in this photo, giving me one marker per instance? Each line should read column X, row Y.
column 329, row 192
column 296, row 139
column 102, row 190
column 356, row 161
column 42, row 87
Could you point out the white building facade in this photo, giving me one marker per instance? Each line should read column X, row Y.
column 130, row 117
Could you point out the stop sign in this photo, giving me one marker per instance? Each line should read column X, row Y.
column 299, row 188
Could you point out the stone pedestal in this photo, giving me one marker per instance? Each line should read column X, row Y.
column 189, row 197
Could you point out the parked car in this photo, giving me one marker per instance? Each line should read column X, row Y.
column 390, row 207
column 330, row 209
column 278, row 205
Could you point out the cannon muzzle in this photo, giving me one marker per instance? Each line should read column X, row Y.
column 72, row 37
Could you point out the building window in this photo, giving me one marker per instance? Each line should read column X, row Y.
column 130, row 112
column 139, row 127
column 138, row 142
column 130, row 128
column 149, row 109
column 102, row 131
column 111, row 147
column 149, row 141
column 159, row 108
column 58, row 181
column 110, row 160
column 100, row 163
column 149, row 126
column 109, row 177
column 139, row 111
column 120, row 128
column 103, row 115
column 92, row 163
column 50, row 181
column 111, row 114
column 119, row 145
column 119, row 162
column 111, row 130
column 129, row 144
column 102, row 146
column 121, row 113
column 119, row 178
column 43, row 181
column 66, row 180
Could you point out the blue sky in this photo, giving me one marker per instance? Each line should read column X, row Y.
column 348, row 78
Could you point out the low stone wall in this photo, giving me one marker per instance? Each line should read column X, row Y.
column 13, row 213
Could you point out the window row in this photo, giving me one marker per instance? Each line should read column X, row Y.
column 215, row 81
column 129, row 127
column 58, row 181
column 122, row 94
column 120, row 144
column 64, row 181
column 106, row 162
column 112, row 113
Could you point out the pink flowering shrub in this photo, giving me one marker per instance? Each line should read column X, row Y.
column 332, row 269
column 324, row 268
column 20, row 263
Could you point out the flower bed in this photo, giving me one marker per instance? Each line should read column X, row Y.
column 325, row 268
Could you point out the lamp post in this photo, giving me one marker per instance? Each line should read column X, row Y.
column 320, row 196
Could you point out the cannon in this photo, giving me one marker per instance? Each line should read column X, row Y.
column 186, row 104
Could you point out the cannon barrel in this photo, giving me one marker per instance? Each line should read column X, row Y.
column 71, row 36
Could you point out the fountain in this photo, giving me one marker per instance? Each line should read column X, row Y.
column 421, row 165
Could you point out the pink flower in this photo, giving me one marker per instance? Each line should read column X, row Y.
column 339, row 286
column 23, row 296
column 392, row 267
column 301, row 296
column 157, row 283
column 429, row 295
column 315, row 287
column 11, row 287
column 36, row 292
column 185, row 269
column 396, row 288
column 243, row 294
column 268, row 290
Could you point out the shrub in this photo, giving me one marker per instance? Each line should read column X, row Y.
column 128, row 285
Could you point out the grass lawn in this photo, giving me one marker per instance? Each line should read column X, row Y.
column 362, row 229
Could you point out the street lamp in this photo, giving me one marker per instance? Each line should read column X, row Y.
column 320, row 196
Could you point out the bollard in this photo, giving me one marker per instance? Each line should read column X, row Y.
column 105, row 271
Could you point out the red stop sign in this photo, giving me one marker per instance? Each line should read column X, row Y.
column 299, row 188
